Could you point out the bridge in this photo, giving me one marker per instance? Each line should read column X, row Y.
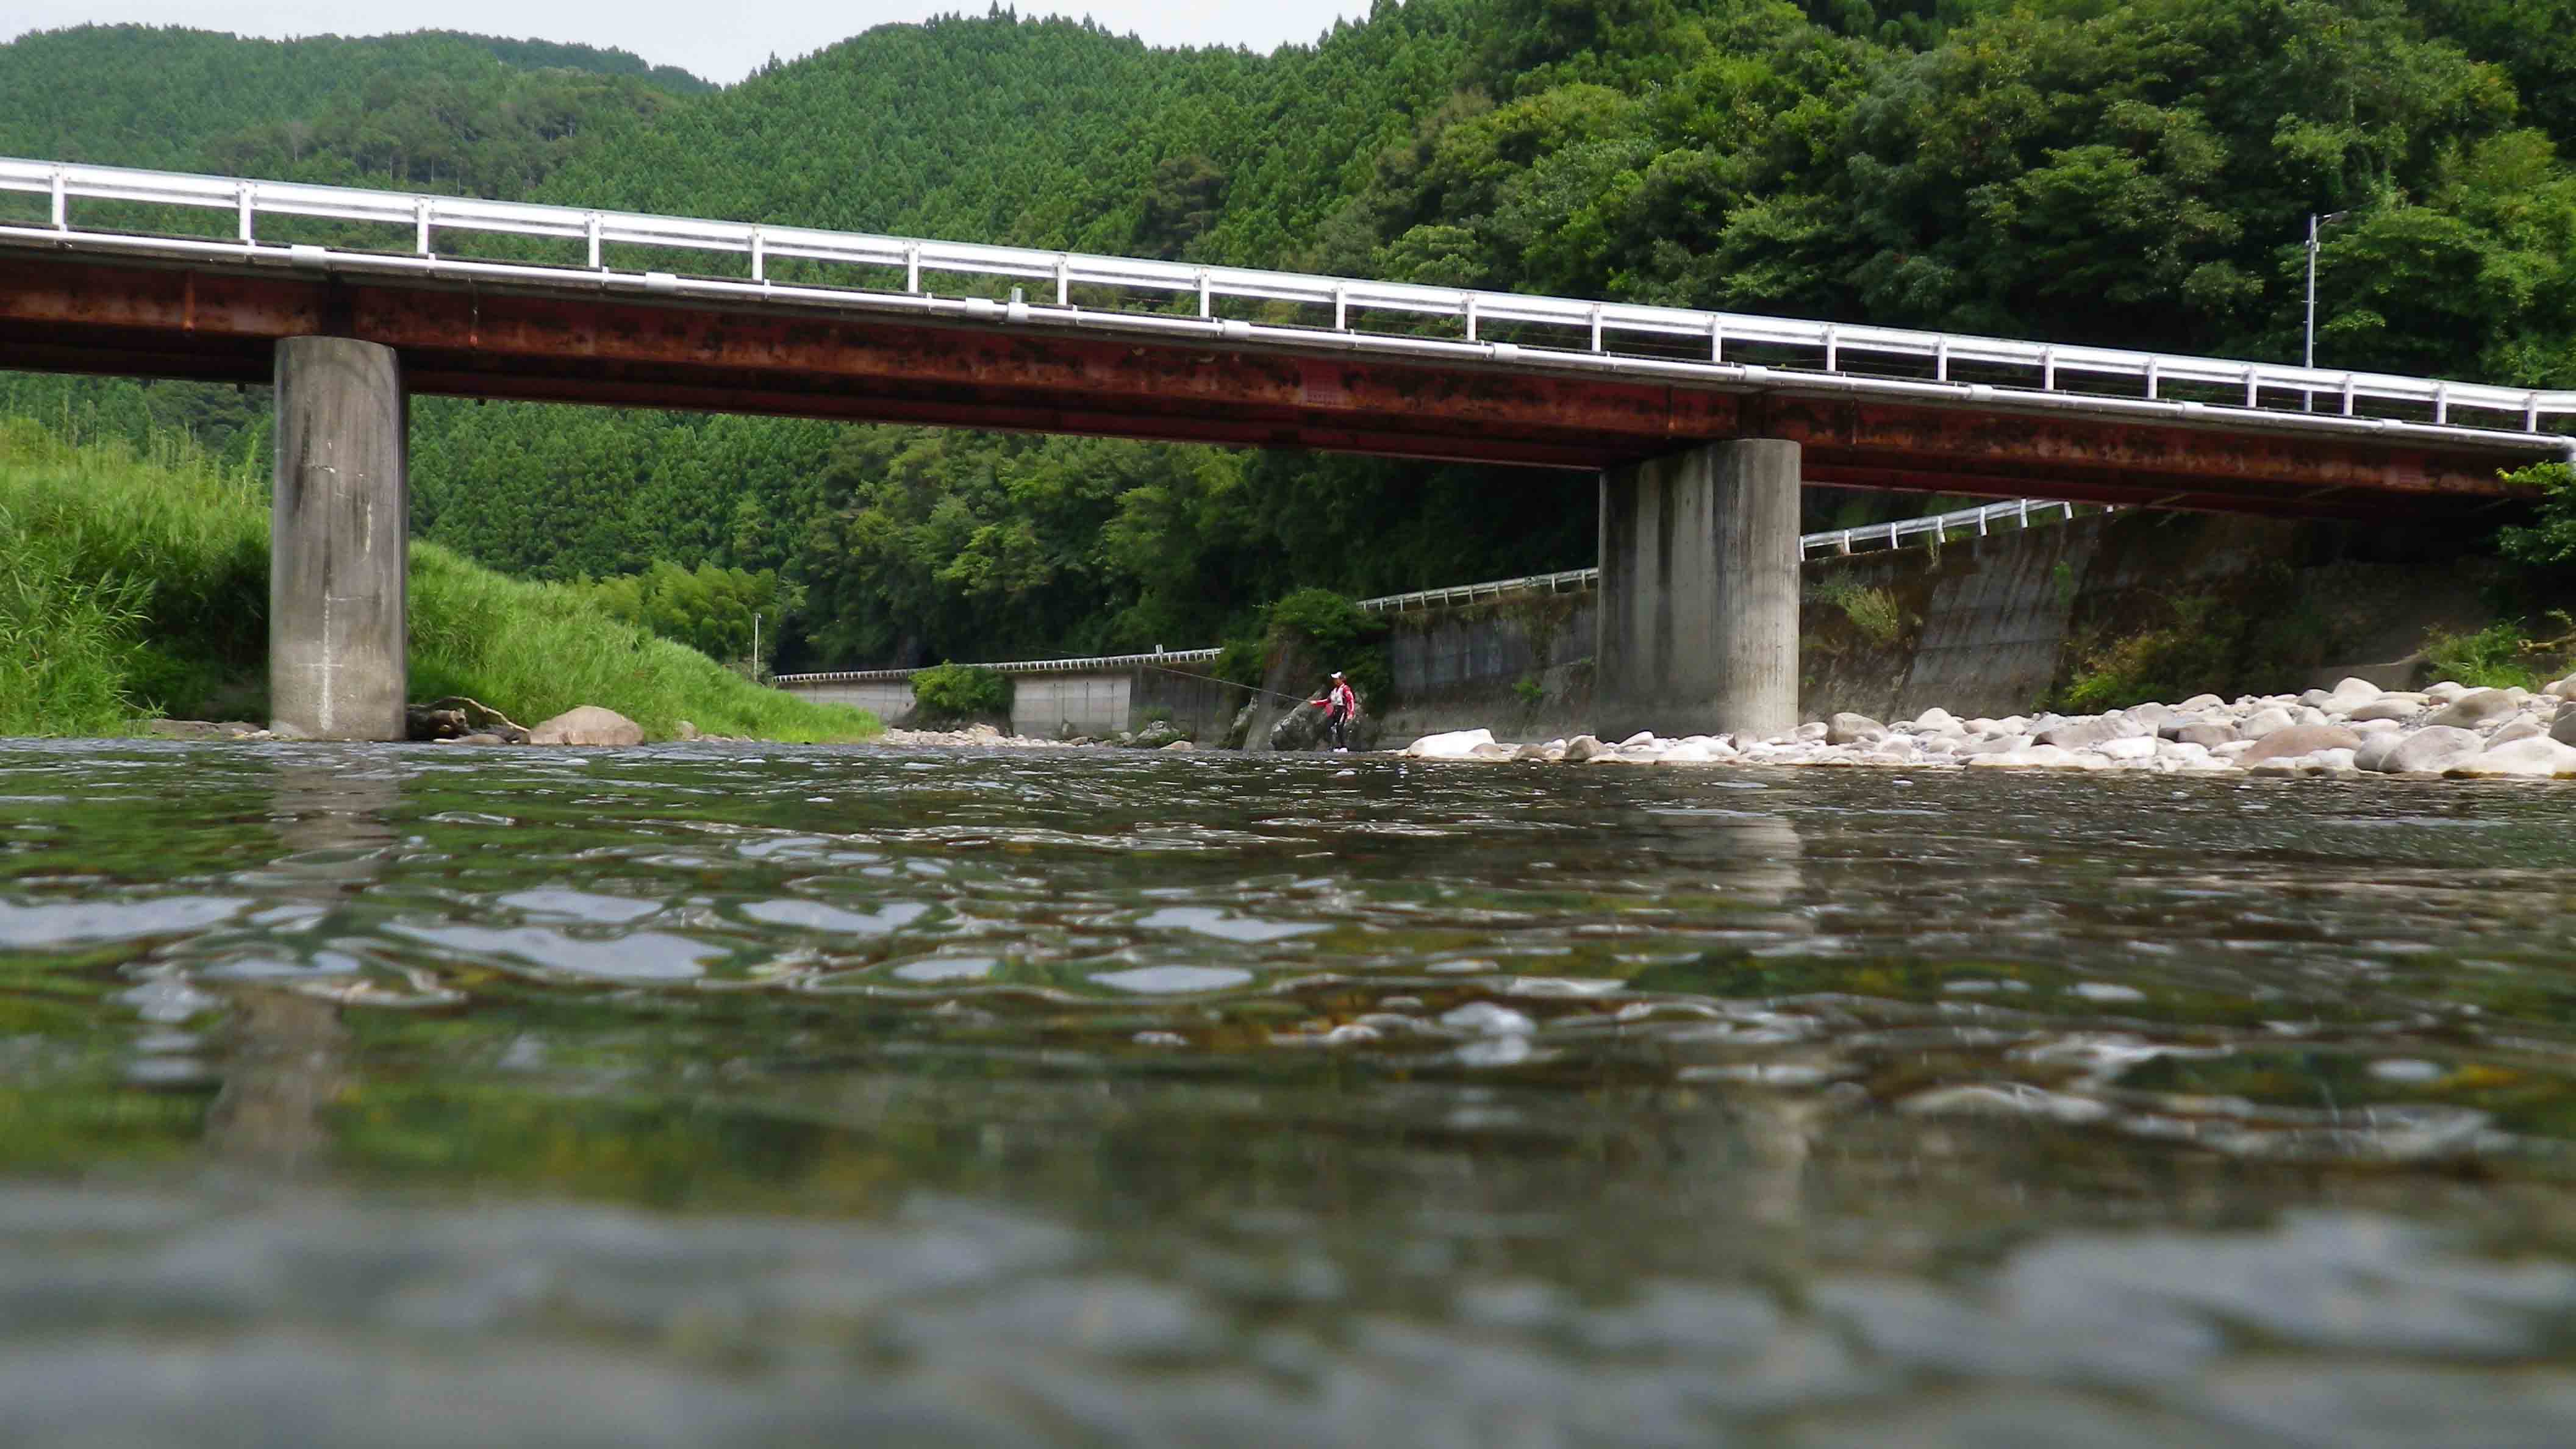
column 1702, row 425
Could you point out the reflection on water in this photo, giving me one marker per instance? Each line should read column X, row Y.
column 287, row 1048
column 746, row 1095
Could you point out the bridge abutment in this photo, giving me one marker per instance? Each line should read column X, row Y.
column 339, row 528
column 1698, row 617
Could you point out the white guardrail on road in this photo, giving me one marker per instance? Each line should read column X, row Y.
column 1015, row 666
column 1938, row 526
column 2023, row 512
column 1711, row 349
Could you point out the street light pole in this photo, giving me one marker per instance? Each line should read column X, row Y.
column 2308, row 354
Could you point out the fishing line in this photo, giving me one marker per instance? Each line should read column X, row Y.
column 1228, row 683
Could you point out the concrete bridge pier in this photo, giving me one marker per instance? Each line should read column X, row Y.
column 1698, row 619
column 338, row 532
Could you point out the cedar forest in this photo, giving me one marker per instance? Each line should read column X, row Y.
column 2135, row 174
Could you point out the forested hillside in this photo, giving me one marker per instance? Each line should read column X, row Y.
column 2136, row 174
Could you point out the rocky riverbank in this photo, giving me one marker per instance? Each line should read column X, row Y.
column 452, row 721
column 973, row 735
column 2447, row 730
column 1156, row 736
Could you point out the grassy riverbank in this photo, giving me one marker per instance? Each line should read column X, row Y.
column 135, row 584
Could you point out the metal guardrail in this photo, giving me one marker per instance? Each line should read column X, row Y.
column 1582, row 337
column 1832, row 541
column 1564, row 581
column 1015, row 666
column 1939, row 525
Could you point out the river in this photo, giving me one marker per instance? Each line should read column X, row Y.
column 723, row 1094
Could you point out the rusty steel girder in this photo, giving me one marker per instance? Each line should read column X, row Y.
column 569, row 343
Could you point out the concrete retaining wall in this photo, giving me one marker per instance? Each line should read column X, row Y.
column 1991, row 626
column 1048, row 706
column 1195, row 703
column 888, row 699
column 1522, row 665
column 1097, row 703
column 1999, row 625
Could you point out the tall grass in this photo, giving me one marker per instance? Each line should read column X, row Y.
column 63, row 641
column 134, row 583
column 533, row 650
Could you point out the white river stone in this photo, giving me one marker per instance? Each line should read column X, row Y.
column 2534, row 758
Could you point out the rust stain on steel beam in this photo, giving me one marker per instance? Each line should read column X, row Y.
column 600, row 379
column 2185, row 495
column 1843, row 429
column 511, row 325
column 2008, row 478
column 481, row 341
column 878, row 407
column 960, row 407
column 150, row 299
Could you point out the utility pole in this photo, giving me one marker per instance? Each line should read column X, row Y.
column 2308, row 354
column 755, row 646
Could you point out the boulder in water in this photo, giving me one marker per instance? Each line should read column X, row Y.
column 588, row 724
column 2075, row 734
column 1241, row 728
column 2269, row 720
column 2435, row 748
column 1301, row 728
column 1456, row 745
column 1853, row 729
column 2520, row 727
column 2538, row 757
column 2475, row 708
column 2297, row 740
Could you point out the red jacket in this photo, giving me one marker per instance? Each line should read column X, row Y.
column 1340, row 700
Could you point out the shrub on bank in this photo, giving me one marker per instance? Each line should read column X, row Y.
column 1338, row 634
column 2504, row 654
column 135, row 584
column 1875, row 612
column 2549, row 541
column 958, row 693
column 2185, row 656
column 2539, row 581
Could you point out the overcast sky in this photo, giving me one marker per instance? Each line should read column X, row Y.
column 719, row 40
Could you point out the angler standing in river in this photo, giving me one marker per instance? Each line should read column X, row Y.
column 1341, row 706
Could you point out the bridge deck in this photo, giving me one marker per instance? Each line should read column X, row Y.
column 201, row 308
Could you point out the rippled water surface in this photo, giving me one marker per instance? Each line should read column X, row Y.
column 744, row 1095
